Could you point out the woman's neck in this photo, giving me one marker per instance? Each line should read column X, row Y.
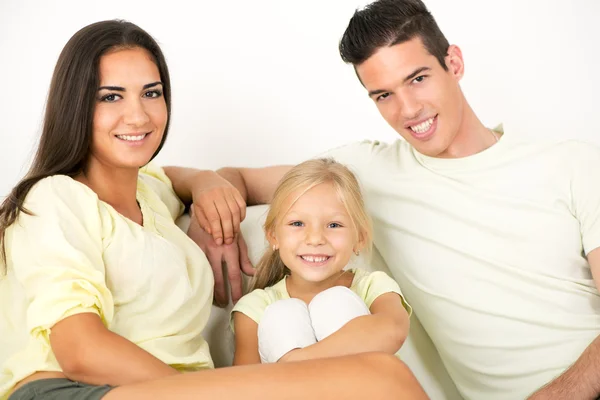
column 115, row 186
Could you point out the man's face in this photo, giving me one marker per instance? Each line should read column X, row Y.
column 415, row 95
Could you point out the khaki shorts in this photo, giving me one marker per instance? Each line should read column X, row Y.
column 59, row 389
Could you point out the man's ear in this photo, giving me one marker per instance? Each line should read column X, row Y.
column 455, row 62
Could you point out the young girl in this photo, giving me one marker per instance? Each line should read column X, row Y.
column 304, row 303
column 102, row 296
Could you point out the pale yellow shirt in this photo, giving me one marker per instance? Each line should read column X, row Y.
column 490, row 252
column 76, row 254
column 367, row 285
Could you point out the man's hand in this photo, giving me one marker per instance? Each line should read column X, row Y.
column 219, row 208
column 232, row 258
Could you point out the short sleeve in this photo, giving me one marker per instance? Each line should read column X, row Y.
column 155, row 177
column 252, row 305
column 585, row 192
column 56, row 255
column 354, row 155
column 370, row 285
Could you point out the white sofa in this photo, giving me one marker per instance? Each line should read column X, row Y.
column 418, row 352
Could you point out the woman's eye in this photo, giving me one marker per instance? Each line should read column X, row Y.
column 109, row 98
column 334, row 225
column 153, row 94
column 296, row 223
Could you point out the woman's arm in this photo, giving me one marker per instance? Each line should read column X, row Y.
column 246, row 340
column 385, row 330
column 88, row 352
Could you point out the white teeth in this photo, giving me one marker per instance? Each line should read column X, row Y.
column 131, row 138
column 314, row 259
column 423, row 126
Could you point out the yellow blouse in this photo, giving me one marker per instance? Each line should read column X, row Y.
column 150, row 284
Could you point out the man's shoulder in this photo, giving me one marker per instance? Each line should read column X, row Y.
column 368, row 154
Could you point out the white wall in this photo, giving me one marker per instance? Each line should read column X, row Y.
column 261, row 82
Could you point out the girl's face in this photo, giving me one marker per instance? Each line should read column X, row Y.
column 316, row 237
column 131, row 113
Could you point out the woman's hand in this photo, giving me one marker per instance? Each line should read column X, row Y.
column 218, row 207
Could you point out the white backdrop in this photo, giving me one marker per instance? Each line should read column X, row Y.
column 261, row 82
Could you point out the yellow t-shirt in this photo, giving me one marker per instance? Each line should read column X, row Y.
column 490, row 252
column 367, row 285
column 76, row 254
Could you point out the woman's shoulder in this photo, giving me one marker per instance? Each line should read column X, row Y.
column 61, row 189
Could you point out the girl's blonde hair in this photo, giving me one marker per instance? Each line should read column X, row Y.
column 270, row 268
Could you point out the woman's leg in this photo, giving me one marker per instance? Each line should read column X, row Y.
column 362, row 376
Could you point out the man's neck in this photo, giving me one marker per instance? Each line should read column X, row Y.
column 472, row 137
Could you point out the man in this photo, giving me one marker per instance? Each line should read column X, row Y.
column 493, row 240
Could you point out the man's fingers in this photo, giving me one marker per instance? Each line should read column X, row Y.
column 234, row 274
column 245, row 263
column 216, row 263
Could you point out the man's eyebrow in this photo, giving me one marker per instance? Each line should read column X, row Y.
column 408, row 78
column 122, row 89
column 415, row 73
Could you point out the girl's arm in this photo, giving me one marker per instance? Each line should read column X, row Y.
column 88, row 352
column 246, row 340
column 385, row 330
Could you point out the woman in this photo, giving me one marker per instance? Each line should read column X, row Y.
column 102, row 295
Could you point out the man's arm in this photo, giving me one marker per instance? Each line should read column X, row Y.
column 256, row 185
column 582, row 379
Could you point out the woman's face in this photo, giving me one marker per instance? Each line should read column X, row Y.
column 130, row 115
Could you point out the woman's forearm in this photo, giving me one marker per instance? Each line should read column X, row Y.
column 88, row 352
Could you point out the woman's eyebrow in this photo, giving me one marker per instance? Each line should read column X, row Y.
column 122, row 89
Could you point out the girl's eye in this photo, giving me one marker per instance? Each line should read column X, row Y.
column 334, row 225
column 297, row 223
column 153, row 94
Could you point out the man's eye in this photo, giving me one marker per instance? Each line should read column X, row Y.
column 382, row 96
column 419, row 79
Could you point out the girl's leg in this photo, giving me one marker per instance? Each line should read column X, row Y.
column 284, row 326
column 333, row 308
column 362, row 376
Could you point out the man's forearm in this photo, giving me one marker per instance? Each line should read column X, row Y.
column 580, row 381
